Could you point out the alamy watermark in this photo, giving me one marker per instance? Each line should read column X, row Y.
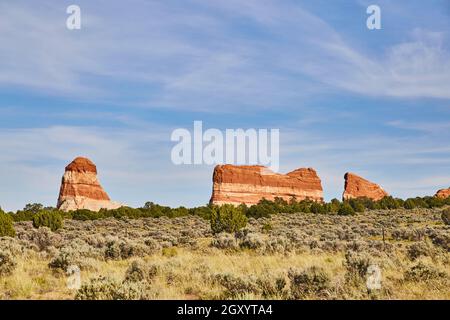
column 73, row 22
column 73, row 281
column 373, row 22
column 233, row 146
column 374, row 277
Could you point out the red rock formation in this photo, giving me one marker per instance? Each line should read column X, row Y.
column 357, row 187
column 80, row 188
column 443, row 193
column 249, row 184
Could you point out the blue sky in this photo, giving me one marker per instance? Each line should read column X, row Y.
column 345, row 98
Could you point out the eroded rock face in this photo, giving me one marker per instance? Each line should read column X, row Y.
column 443, row 193
column 80, row 188
column 249, row 184
column 358, row 187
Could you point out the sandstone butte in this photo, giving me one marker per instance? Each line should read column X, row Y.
column 80, row 188
column 357, row 187
column 443, row 193
column 249, row 184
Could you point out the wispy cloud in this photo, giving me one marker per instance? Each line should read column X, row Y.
column 211, row 55
column 134, row 165
column 399, row 164
column 435, row 127
column 254, row 59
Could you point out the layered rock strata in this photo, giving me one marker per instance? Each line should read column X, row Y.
column 358, row 187
column 80, row 188
column 249, row 184
column 443, row 193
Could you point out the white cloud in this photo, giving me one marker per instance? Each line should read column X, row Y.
column 435, row 127
column 405, row 167
column 134, row 164
column 196, row 58
column 33, row 160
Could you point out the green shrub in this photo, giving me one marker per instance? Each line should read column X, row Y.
column 224, row 241
column 6, row 225
column 389, row 203
column 312, row 281
column 357, row 205
column 169, row 252
column 103, row 288
column 417, row 202
column 420, row 249
column 410, row 204
column 227, row 218
column 21, row 215
column 356, row 264
column 64, row 259
column 335, row 204
column 301, row 206
column 263, row 209
column 237, row 286
column 7, row 264
column 140, row 271
column 85, row 215
column 50, row 219
column 367, row 203
column 33, row 208
column 123, row 212
column 259, row 211
column 267, row 227
column 151, row 209
column 317, row 208
column 446, row 216
column 179, row 212
column 346, row 210
column 30, row 210
column 112, row 250
column 203, row 212
column 434, row 202
column 423, row 272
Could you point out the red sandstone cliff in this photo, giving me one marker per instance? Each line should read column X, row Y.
column 357, row 187
column 443, row 193
column 249, row 184
column 80, row 188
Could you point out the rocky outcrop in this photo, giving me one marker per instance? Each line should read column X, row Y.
column 443, row 193
column 357, row 187
column 249, row 184
column 80, row 188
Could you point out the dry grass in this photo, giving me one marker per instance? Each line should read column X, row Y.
column 299, row 256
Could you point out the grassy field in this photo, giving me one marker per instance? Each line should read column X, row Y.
column 287, row 256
